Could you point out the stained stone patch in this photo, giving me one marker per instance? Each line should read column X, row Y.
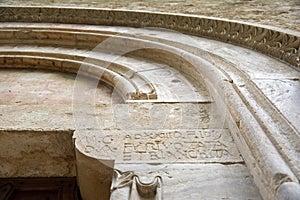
column 36, row 154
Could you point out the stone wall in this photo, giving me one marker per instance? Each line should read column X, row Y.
column 279, row 13
column 233, row 125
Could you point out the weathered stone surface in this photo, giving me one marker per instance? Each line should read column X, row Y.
column 198, row 181
column 37, row 87
column 231, row 99
column 285, row 95
column 36, row 154
column 60, row 117
column 94, row 177
column 217, row 29
column 280, row 13
column 177, row 85
column 160, row 146
column 288, row 191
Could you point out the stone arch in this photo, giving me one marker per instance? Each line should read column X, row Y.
column 267, row 138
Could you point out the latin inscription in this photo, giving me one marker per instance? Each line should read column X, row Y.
column 178, row 146
column 153, row 146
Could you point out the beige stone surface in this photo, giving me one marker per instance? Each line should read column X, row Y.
column 36, row 154
column 94, row 177
column 137, row 117
column 285, row 94
column 37, row 87
column 198, row 181
column 244, row 117
column 280, row 13
column 166, row 83
column 36, row 123
column 160, row 146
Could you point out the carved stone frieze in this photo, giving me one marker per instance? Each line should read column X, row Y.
column 280, row 44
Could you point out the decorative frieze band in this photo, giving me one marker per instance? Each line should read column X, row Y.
column 277, row 43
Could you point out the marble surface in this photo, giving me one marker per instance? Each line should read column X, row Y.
column 198, row 181
column 285, row 95
column 234, row 125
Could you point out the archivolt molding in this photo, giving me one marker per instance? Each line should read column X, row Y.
column 74, row 49
column 280, row 44
column 254, row 121
column 116, row 75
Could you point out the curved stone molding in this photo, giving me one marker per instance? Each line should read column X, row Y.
column 289, row 191
column 280, row 44
column 266, row 138
column 128, row 79
column 130, row 89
